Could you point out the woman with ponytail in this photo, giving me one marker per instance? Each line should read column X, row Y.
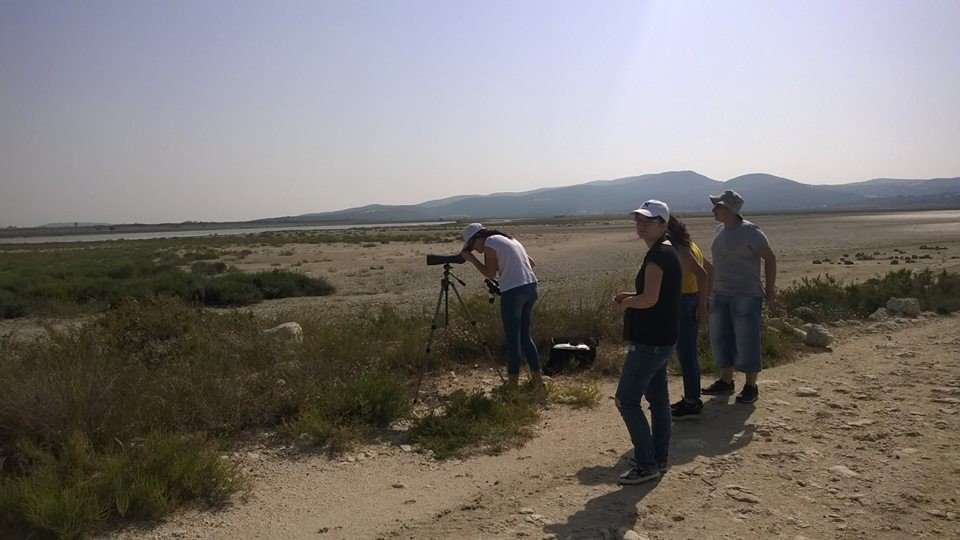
column 693, row 313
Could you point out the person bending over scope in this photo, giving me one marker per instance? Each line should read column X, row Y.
column 505, row 257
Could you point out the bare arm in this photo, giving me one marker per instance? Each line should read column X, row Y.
column 489, row 265
column 769, row 274
column 652, row 278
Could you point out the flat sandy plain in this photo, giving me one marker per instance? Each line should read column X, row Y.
column 570, row 256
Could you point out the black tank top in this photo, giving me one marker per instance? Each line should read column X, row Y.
column 657, row 325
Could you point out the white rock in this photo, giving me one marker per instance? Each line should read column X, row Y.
column 806, row 391
column 818, row 336
column 881, row 314
column 633, row 535
column 288, row 331
column 908, row 307
column 844, row 471
column 739, row 493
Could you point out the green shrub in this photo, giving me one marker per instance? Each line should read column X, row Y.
column 70, row 488
column 472, row 420
column 208, row 269
column 67, row 281
column 342, row 412
column 833, row 299
column 233, row 289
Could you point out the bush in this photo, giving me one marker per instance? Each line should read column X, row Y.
column 471, row 420
column 833, row 299
column 67, row 489
column 94, row 278
column 208, row 269
column 343, row 412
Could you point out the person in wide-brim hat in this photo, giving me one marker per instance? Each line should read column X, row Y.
column 738, row 296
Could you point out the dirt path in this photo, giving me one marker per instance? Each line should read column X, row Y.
column 876, row 454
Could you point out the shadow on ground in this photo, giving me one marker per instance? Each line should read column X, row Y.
column 719, row 431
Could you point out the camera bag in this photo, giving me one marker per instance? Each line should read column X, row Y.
column 570, row 353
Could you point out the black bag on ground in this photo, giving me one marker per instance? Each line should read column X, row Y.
column 570, row 353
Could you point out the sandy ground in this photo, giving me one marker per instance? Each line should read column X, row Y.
column 572, row 256
column 874, row 454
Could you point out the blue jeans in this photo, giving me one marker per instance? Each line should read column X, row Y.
column 645, row 375
column 516, row 311
column 687, row 347
column 735, row 332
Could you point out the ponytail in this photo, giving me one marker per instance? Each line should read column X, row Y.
column 677, row 232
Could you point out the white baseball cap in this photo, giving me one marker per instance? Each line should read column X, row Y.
column 654, row 209
column 469, row 232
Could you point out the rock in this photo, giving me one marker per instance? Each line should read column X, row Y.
column 908, row 307
column 844, row 471
column 806, row 391
column 779, row 402
column 818, row 336
column 406, row 448
column 399, row 485
column 288, row 331
column 861, row 423
column 796, row 331
column 742, row 494
column 904, row 452
column 806, row 314
column 633, row 535
column 526, row 511
column 881, row 314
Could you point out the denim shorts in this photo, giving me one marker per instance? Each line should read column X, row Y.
column 735, row 332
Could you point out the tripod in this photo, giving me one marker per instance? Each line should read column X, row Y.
column 442, row 319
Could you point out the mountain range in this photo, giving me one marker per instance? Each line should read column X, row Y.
column 684, row 191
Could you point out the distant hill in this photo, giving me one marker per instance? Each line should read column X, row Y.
column 684, row 191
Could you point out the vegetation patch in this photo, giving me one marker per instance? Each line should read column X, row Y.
column 68, row 488
column 344, row 412
column 576, row 395
column 833, row 299
column 88, row 279
column 470, row 421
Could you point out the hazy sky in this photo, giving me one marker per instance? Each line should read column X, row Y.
column 123, row 111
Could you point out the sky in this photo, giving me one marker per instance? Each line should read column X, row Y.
column 166, row 111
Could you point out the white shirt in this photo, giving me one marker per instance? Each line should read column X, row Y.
column 513, row 264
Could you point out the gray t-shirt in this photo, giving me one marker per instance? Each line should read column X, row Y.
column 736, row 259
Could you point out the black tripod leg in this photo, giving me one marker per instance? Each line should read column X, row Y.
column 473, row 323
column 433, row 329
